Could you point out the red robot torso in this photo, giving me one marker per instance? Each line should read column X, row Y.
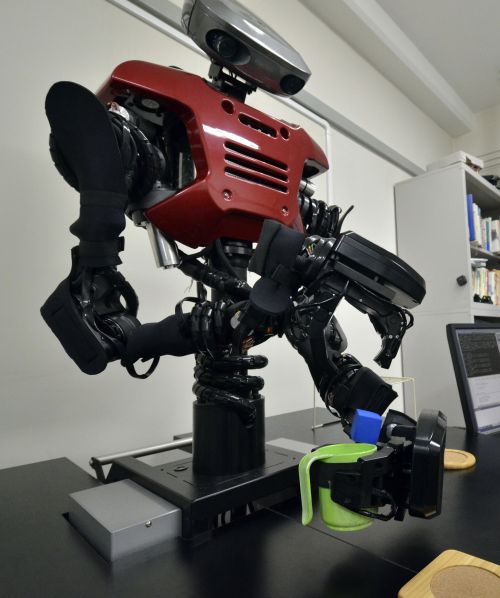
column 248, row 165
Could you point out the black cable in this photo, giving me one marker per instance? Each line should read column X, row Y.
column 216, row 279
column 319, row 218
column 113, row 324
column 309, row 306
column 341, row 221
column 224, row 381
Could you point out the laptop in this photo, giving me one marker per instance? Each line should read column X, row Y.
column 475, row 353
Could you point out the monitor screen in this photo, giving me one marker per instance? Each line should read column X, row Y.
column 478, row 351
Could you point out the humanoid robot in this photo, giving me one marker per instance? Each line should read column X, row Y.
column 189, row 161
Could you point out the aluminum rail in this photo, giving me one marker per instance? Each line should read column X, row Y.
column 97, row 463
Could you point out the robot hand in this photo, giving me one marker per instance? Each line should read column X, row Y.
column 405, row 473
column 93, row 313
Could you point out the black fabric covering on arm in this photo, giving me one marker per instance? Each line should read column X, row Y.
column 278, row 246
column 80, row 343
column 365, row 390
column 274, row 260
column 161, row 338
column 84, row 136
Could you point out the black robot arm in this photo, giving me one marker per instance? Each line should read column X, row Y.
column 306, row 278
column 94, row 310
column 343, row 383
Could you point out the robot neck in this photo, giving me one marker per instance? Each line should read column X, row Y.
column 229, row 84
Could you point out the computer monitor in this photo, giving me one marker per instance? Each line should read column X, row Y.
column 475, row 353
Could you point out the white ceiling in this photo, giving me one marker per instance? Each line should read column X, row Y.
column 460, row 38
column 443, row 54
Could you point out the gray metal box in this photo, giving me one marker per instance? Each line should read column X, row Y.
column 122, row 518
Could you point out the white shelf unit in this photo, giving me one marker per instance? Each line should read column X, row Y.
column 433, row 237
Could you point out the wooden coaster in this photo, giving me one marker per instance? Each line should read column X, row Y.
column 455, row 459
column 454, row 574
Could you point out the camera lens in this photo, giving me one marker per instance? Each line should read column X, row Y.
column 225, row 45
column 291, row 84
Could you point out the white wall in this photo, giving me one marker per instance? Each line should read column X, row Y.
column 48, row 408
column 484, row 139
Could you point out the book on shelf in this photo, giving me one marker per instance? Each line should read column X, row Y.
column 495, row 236
column 483, row 232
column 476, row 211
column 487, row 233
column 486, row 283
column 483, row 240
column 470, row 217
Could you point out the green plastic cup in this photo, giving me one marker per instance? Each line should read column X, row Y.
column 335, row 516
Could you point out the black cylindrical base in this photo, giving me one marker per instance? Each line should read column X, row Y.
column 222, row 444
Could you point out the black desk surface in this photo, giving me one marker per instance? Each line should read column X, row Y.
column 269, row 554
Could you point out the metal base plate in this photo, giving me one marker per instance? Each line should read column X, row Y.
column 202, row 498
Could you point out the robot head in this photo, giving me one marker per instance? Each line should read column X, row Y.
column 236, row 39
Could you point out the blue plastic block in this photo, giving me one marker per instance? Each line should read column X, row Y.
column 366, row 426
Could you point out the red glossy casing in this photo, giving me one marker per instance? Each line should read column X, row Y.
column 248, row 165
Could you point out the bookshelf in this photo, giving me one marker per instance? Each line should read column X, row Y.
column 493, row 258
column 483, row 310
column 433, row 237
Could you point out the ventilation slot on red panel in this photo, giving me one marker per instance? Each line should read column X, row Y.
column 253, row 166
column 247, row 176
column 241, row 149
column 257, row 125
column 256, row 167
